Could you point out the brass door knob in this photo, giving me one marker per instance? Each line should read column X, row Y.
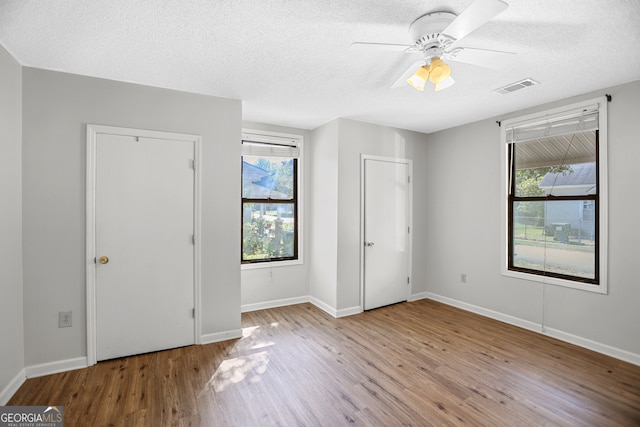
column 103, row 259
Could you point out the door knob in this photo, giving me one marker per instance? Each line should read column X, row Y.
column 368, row 243
column 103, row 259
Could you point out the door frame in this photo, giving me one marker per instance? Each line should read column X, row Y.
column 90, row 249
column 400, row 160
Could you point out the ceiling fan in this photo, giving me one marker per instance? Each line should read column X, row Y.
column 436, row 36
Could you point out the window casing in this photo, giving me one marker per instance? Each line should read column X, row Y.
column 555, row 221
column 270, row 207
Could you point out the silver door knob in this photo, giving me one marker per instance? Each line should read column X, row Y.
column 368, row 243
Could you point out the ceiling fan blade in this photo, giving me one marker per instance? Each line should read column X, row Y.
column 402, row 80
column 382, row 47
column 493, row 59
column 475, row 15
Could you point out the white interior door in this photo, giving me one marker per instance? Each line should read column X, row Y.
column 386, row 233
column 144, row 226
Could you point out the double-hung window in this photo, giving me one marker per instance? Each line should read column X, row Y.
column 270, row 197
column 555, row 192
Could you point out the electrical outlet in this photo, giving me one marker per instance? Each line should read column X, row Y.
column 64, row 319
column 463, row 277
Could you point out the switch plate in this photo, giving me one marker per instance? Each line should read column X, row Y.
column 64, row 319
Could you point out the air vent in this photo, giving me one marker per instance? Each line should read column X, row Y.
column 516, row 86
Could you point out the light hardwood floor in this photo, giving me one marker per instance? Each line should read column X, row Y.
column 420, row 364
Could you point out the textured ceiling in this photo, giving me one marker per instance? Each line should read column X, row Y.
column 289, row 60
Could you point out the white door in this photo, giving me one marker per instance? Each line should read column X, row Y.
column 386, row 233
column 144, row 226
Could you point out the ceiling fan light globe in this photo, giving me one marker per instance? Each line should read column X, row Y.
column 440, row 71
column 448, row 82
column 419, row 78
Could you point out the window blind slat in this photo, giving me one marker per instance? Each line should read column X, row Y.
column 269, row 150
column 581, row 121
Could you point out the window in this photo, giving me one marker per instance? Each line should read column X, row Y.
column 555, row 180
column 270, row 197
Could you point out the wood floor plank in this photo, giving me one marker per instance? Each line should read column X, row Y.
column 414, row 364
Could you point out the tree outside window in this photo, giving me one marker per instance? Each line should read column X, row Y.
column 269, row 208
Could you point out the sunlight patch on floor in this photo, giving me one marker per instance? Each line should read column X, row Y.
column 240, row 369
column 248, row 331
column 237, row 370
column 252, row 342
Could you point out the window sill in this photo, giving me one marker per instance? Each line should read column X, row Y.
column 598, row 289
column 271, row 264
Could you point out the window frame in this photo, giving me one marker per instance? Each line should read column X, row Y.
column 601, row 201
column 277, row 139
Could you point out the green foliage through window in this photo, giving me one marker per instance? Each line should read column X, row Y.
column 269, row 212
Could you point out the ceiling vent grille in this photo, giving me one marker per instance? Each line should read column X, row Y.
column 516, row 86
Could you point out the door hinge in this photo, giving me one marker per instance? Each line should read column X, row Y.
column 408, row 230
column 193, row 164
column 408, row 281
column 408, row 179
column 193, row 239
column 193, row 313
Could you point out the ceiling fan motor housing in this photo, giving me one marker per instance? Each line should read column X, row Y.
column 426, row 31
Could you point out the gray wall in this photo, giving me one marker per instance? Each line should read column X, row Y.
column 338, row 146
column 358, row 138
column 56, row 109
column 323, row 213
column 11, row 307
column 464, row 218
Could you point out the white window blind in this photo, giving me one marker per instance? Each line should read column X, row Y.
column 270, row 146
column 568, row 122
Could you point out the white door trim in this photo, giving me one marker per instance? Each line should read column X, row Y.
column 409, row 164
column 92, row 134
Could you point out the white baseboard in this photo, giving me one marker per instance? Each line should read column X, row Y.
column 300, row 300
column 624, row 355
column 56, row 367
column 536, row 327
column 418, row 296
column 273, row 304
column 13, row 386
column 532, row 326
column 221, row 336
column 343, row 312
column 323, row 306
